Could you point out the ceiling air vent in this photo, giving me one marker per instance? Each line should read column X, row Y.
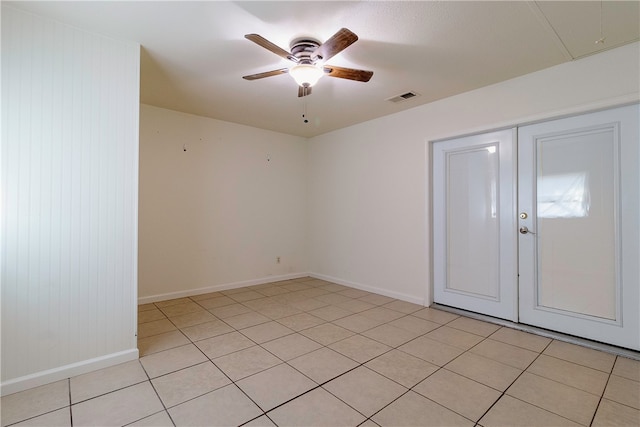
column 403, row 97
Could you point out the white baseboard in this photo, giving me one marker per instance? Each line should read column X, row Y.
column 269, row 279
column 56, row 374
column 380, row 291
column 217, row 288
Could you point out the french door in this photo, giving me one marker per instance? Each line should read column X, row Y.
column 579, row 187
column 546, row 234
column 475, row 245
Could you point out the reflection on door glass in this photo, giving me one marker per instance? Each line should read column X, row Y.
column 563, row 196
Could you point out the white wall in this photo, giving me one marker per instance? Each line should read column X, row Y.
column 218, row 215
column 69, row 200
column 349, row 206
column 368, row 185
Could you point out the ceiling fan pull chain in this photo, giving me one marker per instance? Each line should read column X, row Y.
column 602, row 38
column 304, row 111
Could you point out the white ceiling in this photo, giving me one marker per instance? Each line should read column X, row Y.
column 194, row 53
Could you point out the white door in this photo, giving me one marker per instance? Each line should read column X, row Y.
column 579, row 185
column 474, row 224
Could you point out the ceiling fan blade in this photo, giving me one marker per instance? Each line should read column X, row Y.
column 348, row 73
column 266, row 74
column 304, row 91
column 261, row 41
column 336, row 44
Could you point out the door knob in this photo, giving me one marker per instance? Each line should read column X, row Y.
column 525, row 230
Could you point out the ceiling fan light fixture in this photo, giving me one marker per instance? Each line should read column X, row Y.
column 306, row 75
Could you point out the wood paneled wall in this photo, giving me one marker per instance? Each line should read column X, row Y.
column 70, row 111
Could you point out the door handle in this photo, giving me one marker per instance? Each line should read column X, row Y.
column 525, row 230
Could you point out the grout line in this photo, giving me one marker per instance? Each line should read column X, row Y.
column 504, row 392
column 567, row 385
column 36, row 416
column 543, row 409
column 440, row 368
column 593, row 417
column 70, row 411
column 108, row 392
column 232, row 382
column 155, row 413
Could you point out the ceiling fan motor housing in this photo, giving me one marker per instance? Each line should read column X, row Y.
column 303, row 48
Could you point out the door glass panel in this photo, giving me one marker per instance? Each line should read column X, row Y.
column 472, row 223
column 576, row 227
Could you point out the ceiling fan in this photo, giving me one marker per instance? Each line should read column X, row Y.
column 309, row 56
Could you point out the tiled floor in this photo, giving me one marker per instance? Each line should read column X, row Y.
column 308, row 352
